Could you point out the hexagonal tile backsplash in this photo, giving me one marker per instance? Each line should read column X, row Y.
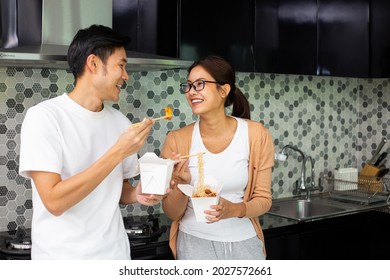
column 338, row 121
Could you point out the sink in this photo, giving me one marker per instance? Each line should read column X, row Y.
column 303, row 209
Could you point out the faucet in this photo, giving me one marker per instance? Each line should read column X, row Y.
column 300, row 185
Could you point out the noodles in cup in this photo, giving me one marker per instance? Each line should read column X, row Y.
column 201, row 189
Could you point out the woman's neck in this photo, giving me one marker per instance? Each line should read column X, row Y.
column 217, row 133
column 214, row 126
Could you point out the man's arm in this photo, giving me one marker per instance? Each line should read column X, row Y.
column 59, row 195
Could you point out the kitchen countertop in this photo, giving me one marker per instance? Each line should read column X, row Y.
column 269, row 221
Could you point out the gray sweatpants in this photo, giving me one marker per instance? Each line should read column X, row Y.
column 190, row 247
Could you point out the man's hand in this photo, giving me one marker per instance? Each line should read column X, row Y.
column 147, row 199
column 134, row 138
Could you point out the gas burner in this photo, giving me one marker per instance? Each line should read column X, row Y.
column 138, row 229
column 17, row 246
column 142, row 231
column 20, row 244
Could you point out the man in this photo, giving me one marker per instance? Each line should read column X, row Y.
column 79, row 155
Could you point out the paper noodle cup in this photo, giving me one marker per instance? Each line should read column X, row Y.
column 156, row 173
column 200, row 204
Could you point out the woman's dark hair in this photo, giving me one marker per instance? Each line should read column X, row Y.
column 223, row 73
column 98, row 40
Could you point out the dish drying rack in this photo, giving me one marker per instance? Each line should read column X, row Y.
column 366, row 190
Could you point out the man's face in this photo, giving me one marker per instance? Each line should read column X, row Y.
column 111, row 76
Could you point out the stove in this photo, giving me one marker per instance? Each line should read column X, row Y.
column 15, row 245
column 148, row 236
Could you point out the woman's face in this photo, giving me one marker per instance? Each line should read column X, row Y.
column 209, row 99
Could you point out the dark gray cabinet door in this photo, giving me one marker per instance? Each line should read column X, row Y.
column 218, row 27
column 380, row 39
column 152, row 25
column 308, row 37
column 286, row 36
column 20, row 23
column 343, row 38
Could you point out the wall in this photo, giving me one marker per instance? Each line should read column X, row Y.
column 338, row 121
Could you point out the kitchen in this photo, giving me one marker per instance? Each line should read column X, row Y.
column 338, row 120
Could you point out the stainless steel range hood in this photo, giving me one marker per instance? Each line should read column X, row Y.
column 60, row 21
column 55, row 56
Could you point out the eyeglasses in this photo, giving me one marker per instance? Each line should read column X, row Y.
column 197, row 85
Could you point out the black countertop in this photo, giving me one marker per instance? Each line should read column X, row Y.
column 158, row 248
column 142, row 248
column 269, row 221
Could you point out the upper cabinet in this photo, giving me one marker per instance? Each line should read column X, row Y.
column 152, row 25
column 313, row 37
column 379, row 39
column 343, row 38
column 309, row 37
column 286, row 36
column 218, row 27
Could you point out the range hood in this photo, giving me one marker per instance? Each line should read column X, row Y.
column 55, row 56
column 36, row 33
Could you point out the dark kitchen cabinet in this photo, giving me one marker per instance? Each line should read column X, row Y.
column 324, row 37
column 308, row 37
column 152, row 25
column 380, row 39
column 20, row 25
column 343, row 38
column 218, row 27
column 286, row 36
column 352, row 237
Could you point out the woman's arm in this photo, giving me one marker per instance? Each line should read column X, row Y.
column 262, row 156
column 261, row 200
column 259, row 203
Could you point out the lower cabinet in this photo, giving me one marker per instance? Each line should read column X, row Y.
column 361, row 236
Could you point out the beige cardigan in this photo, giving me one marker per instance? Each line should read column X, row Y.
column 257, row 196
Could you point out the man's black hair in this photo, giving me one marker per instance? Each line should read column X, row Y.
column 98, row 40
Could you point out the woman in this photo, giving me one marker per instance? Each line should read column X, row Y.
column 239, row 153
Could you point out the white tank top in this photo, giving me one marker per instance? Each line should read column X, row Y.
column 229, row 167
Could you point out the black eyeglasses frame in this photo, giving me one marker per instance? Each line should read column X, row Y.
column 191, row 85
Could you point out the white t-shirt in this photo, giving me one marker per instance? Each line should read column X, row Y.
column 60, row 136
column 229, row 167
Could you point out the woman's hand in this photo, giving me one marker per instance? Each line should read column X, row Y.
column 181, row 173
column 224, row 210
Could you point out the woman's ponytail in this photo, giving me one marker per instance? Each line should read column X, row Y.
column 241, row 108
